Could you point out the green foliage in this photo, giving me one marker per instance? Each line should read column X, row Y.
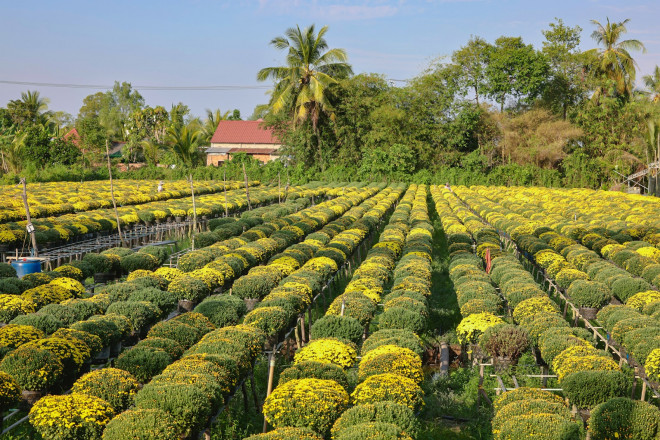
column 586, row 389
column 624, row 418
column 143, row 362
column 142, row 424
column 315, row 370
column 341, row 327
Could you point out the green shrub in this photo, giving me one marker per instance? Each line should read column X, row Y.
column 586, row 389
column 196, row 320
column 636, row 265
column 115, row 386
column 143, row 362
column 222, row 310
column 651, row 272
column 142, row 424
column 188, row 405
column 83, row 309
column 7, row 271
column 287, row 434
column 542, row 427
column 170, row 346
column 45, row 322
column 505, row 340
column 160, row 252
column 372, row 431
column 528, row 407
column 178, row 331
column 400, row 337
column 585, row 293
column 165, row 301
column 33, row 368
column 189, row 288
column 140, row 313
column 624, row 288
column 253, row 286
column 66, row 315
column 383, row 412
column 98, row 263
column 139, row 261
column 400, row 318
column 315, row 370
column 341, row 327
column 625, row 419
column 194, row 260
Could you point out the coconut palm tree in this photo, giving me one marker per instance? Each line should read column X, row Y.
column 185, row 141
column 653, row 84
column 211, row 122
column 300, row 85
column 613, row 59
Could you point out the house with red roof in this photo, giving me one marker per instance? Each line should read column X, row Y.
column 250, row 137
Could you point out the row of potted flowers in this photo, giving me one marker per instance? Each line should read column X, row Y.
column 183, row 329
column 57, row 198
column 313, row 392
column 52, row 231
column 299, row 284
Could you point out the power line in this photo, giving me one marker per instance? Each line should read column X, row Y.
column 104, row 87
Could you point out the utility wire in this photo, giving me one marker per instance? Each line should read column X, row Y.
column 103, row 87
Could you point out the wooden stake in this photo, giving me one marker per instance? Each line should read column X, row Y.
column 224, row 177
column 271, row 375
column 30, row 227
column 112, row 195
column 247, row 190
column 192, row 192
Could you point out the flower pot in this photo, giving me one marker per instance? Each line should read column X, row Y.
column 185, row 305
column 250, row 303
column 103, row 277
column 115, row 349
column 588, row 312
column 178, row 219
column 31, row 397
column 102, row 356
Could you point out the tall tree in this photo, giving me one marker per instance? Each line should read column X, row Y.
column 301, row 85
column 515, row 70
column 472, row 60
column 614, row 60
column 652, row 82
column 185, row 141
column 30, row 109
column 211, row 122
column 565, row 87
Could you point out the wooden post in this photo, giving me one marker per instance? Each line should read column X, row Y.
column 247, row 190
column 224, row 177
column 309, row 321
column 271, row 375
column 30, row 227
column 303, row 335
column 192, row 192
column 643, row 396
column 112, row 194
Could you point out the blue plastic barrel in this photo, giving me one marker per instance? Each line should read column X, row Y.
column 25, row 266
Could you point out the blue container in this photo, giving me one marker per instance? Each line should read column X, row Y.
column 25, row 266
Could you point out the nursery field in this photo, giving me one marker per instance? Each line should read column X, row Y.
column 344, row 311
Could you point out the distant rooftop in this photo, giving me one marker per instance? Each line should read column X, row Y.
column 243, row 132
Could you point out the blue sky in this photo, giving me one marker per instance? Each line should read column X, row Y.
column 200, row 42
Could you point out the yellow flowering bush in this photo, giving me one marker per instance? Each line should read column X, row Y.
column 639, row 300
column 566, row 276
column 34, row 369
column 650, row 252
column 71, row 352
column 309, row 403
column 74, row 287
column 13, row 335
column 115, row 386
column 652, row 365
column 10, row 391
column 287, row 434
column 142, row 424
column 12, row 305
column 391, row 359
column 533, row 306
column 169, row 273
column 473, row 326
column 389, row 386
column 70, row 417
column 328, row 351
column 581, row 358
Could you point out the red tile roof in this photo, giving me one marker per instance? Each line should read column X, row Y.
column 75, row 137
column 243, row 132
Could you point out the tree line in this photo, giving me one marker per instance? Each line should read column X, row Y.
column 500, row 112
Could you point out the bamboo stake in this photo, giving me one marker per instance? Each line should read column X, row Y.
column 271, row 375
column 112, row 194
column 30, row 227
column 224, row 177
column 192, row 192
column 247, row 190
